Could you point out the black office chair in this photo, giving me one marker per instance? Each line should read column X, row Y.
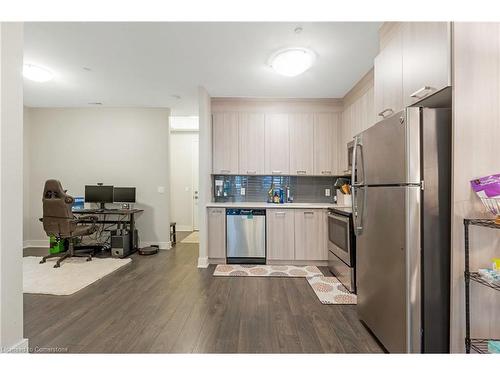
column 59, row 221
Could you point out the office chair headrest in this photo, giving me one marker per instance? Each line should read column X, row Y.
column 54, row 190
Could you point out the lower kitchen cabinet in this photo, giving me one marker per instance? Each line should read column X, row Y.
column 310, row 234
column 216, row 233
column 280, row 239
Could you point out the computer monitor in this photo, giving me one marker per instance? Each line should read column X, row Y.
column 99, row 194
column 124, row 194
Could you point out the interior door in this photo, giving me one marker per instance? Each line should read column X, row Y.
column 380, row 262
column 196, row 185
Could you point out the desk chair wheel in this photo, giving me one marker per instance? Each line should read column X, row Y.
column 57, row 265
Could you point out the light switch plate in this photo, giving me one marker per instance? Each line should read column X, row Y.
column 242, row 191
column 161, row 189
column 327, row 192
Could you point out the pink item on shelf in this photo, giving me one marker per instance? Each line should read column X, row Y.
column 487, row 187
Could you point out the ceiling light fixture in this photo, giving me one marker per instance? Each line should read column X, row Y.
column 291, row 62
column 37, row 73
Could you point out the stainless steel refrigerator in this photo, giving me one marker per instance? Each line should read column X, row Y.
column 401, row 180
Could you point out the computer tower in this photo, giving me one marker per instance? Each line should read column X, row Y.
column 121, row 246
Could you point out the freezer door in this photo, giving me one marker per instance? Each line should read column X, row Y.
column 387, row 263
column 387, row 153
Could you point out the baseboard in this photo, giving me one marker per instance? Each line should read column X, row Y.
column 203, row 262
column 184, row 228
column 20, row 347
column 36, row 243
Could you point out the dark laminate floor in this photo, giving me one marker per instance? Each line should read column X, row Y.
column 163, row 303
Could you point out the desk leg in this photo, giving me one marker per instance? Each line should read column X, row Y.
column 132, row 229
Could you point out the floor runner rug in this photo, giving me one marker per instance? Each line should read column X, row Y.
column 266, row 270
column 330, row 291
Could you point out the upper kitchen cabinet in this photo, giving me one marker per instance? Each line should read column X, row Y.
column 301, row 128
column 225, row 143
column 277, row 150
column 251, row 143
column 326, row 133
column 426, row 59
column 388, row 79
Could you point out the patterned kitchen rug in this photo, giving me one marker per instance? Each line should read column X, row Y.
column 330, row 291
column 266, row 270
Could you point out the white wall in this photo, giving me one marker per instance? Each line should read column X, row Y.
column 11, row 187
column 181, row 178
column 116, row 146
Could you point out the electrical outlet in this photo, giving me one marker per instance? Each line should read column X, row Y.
column 242, row 191
column 327, row 192
column 161, row 189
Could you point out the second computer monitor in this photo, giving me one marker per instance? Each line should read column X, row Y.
column 124, row 194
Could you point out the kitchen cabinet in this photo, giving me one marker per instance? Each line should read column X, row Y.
column 225, row 143
column 277, row 155
column 388, row 81
column 326, row 133
column 426, row 59
column 216, row 233
column 280, row 239
column 310, row 234
column 251, row 132
column 301, row 128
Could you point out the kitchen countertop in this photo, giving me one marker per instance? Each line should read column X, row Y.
column 273, row 205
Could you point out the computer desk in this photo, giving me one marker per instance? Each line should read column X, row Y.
column 128, row 213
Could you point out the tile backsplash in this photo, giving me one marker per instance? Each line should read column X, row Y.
column 303, row 189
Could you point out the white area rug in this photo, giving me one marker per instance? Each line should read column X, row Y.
column 73, row 275
column 330, row 291
column 266, row 270
column 192, row 238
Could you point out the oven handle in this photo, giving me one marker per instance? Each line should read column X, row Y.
column 339, row 217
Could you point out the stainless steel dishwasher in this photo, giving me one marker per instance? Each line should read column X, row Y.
column 246, row 236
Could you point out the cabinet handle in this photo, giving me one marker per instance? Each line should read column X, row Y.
column 422, row 92
column 301, row 172
column 225, row 171
column 279, row 214
column 251, row 172
column 382, row 114
column 276, row 172
column 308, row 213
column 326, row 172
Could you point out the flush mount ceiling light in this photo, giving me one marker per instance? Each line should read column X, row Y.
column 37, row 73
column 291, row 62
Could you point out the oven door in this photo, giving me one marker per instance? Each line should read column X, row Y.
column 339, row 237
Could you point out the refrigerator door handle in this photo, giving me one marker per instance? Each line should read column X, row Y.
column 357, row 214
column 357, row 159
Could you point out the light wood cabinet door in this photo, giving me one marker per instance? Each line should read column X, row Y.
column 326, row 139
column 277, row 154
column 426, row 59
column 225, row 143
column 251, row 143
column 301, row 127
column 310, row 235
column 216, row 233
column 280, row 239
column 388, row 80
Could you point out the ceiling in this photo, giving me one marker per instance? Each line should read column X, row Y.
column 152, row 64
